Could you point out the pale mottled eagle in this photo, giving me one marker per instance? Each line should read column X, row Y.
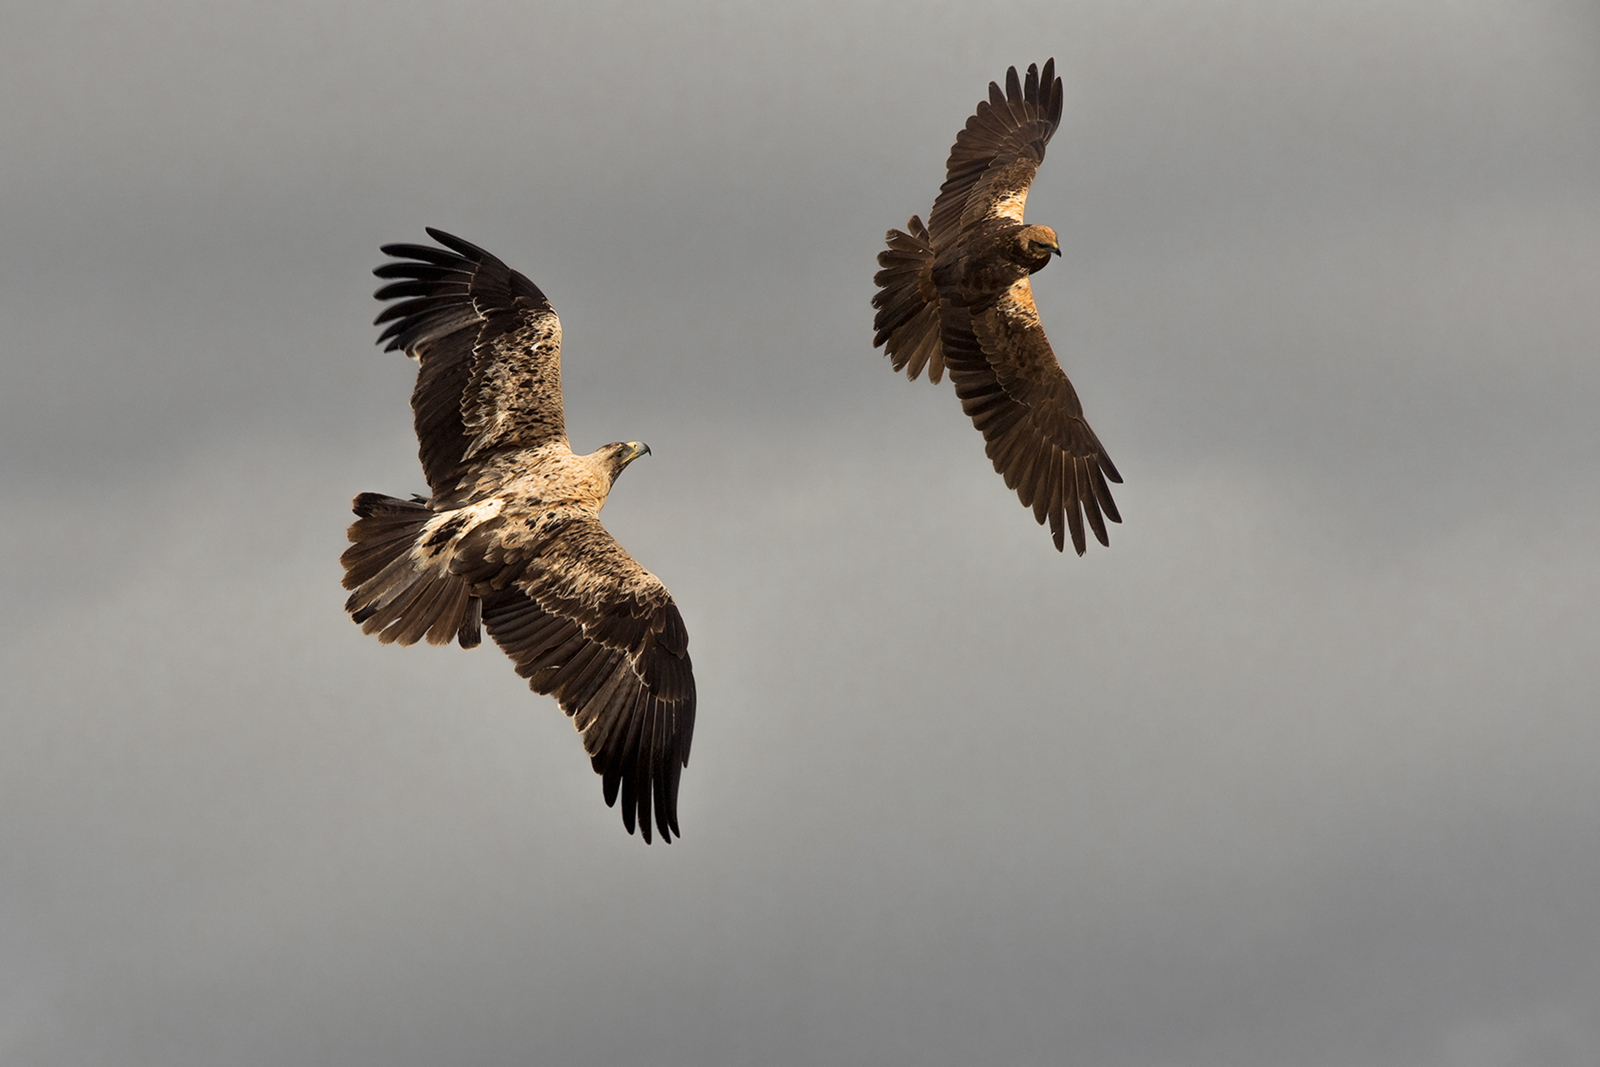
column 954, row 295
column 510, row 539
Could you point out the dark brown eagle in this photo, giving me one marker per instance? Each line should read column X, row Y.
column 954, row 295
column 510, row 539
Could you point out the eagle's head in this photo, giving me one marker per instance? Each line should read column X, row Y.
column 618, row 454
column 1035, row 245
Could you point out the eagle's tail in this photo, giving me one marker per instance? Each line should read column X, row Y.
column 400, row 594
column 907, row 322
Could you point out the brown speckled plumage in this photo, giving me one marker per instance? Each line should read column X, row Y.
column 510, row 539
column 954, row 295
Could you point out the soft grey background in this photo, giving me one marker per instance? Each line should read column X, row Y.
column 1304, row 769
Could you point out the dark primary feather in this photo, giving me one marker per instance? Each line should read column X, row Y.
column 489, row 345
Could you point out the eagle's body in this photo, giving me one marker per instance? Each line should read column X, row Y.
column 954, row 295
column 510, row 539
column 996, row 256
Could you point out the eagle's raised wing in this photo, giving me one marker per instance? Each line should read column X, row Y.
column 489, row 346
column 584, row 622
column 996, row 156
column 1016, row 393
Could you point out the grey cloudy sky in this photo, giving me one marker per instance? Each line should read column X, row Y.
column 1304, row 769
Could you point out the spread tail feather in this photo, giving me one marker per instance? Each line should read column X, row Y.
column 907, row 322
column 397, row 595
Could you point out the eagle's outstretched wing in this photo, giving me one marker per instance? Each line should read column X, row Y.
column 996, row 156
column 585, row 623
column 1034, row 433
column 489, row 345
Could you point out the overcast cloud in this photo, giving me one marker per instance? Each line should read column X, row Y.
column 1303, row 769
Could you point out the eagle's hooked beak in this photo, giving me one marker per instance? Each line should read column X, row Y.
column 1055, row 249
column 635, row 450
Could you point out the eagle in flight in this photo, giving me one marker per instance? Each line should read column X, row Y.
column 510, row 539
column 954, row 295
